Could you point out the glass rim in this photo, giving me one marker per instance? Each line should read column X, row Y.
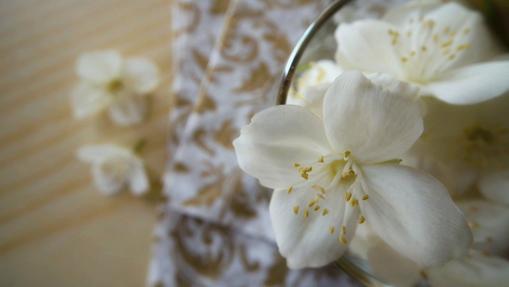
column 299, row 48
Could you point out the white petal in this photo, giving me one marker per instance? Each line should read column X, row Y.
column 141, row 75
column 101, row 152
column 471, row 84
column 373, row 122
column 277, row 138
column 138, row 180
column 128, row 110
column 476, row 270
column 365, row 45
column 458, row 19
column 401, row 14
column 495, row 186
column 489, row 223
column 99, row 67
column 87, row 100
column 413, row 213
column 307, row 241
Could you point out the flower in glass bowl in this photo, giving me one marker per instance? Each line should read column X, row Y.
column 445, row 49
column 333, row 171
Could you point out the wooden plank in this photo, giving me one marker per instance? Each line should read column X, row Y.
column 55, row 228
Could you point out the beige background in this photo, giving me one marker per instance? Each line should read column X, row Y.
column 55, row 228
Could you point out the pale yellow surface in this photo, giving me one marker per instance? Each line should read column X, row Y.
column 55, row 228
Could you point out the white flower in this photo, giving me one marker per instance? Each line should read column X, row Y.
column 115, row 168
column 445, row 49
column 481, row 267
column 334, row 172
column 109, row 82
column 474, row 270
column 465, row 146
column 312, row 84
column 489, row 222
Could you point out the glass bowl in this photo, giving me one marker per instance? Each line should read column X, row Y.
column 318, row 43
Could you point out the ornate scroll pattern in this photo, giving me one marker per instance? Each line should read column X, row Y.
column 194, row 252
column 196, row 26
column 242, row 79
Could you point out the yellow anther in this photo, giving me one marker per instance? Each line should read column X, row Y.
column 296, row 165
column 319, row 188
column 296, row 209
column 325, row 211
column 424, row 48
column 362, row 219
column 342, row 239
column 347, row 154
column 332, row 229
column 447, row 44
column 348, row 196
column 343, row 230
column 321, row 196
column 312, row 203
column 306, row 213
column 365, row 197
column 404, row 59
column 347, row 175
column 430, row 24
column 354, row 202
column 321, row 159
column 473, row 224
column 462, row 47
column 317, row 207
column 290, row 189
column 304, row 171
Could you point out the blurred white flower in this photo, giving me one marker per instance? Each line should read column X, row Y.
column 115, row 168
column 467, row 146
column 333, row 172
column 107, row 81
column 445, row 49
column 489, row 222
column 474, row 270
column 311, row 85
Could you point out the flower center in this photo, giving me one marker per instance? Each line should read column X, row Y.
column 486, row 146
column 427, row 48
column 115, row 168
column 115, row 86
column 328, row 175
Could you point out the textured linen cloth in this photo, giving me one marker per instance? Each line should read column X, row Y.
column 215, row 228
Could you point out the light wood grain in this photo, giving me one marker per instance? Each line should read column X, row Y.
column 55, row 228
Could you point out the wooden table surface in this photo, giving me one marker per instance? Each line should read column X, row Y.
column 55, row 228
